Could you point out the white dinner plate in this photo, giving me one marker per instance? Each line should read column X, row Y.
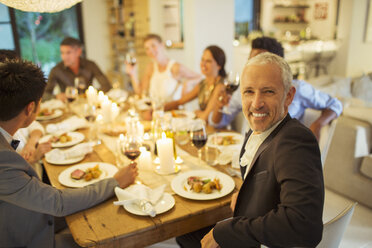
column 108, row 170
column 180, row 187
column 163, row 205
column 64, row 162
column 179, row 113
column 238, row 138
column 57, row 113
column 76, row 138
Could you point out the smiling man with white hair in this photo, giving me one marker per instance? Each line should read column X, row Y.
column 280, row 203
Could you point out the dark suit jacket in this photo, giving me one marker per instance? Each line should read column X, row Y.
column 27, row 205
column 280, row 203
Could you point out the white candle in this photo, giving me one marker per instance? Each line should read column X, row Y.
column 144, row 160
column 114, row 111
column 91, row 93
column 165, row 153
column 101, row 96
column 106, row 110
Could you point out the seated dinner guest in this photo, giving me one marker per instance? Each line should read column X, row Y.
column 73, row 67
column 29, row 146
column 306, row 96
column 27, row 205
column 163, row 77
column 212, row 66
column 280, row 203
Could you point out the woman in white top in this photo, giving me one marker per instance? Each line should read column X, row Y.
column 162, row 77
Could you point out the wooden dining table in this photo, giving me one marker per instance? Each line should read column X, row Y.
column 108, row 225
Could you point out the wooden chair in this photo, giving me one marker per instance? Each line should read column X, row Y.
column 334, row 229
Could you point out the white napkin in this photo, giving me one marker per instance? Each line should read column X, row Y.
column 52, row 104
column 118, row 95
column 67, row 125
column 228, row 155
column 145, row 197
column 73, row 152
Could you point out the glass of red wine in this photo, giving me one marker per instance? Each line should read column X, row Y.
column 131, row 147
column 71, row 95
column 231, row 83
column 198, row 134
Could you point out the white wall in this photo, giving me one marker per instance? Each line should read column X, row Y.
column 206, row 22
column 354, row 55
column 96, row 33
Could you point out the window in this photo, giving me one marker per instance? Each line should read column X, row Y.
column 39, row 34
column 7, row 40
column 246, row 17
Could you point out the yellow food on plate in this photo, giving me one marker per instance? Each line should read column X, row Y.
column 203, row 185
column 46, row 112
column 92, row 173
column 64, row 138
column 226, row 140
column 176, row 114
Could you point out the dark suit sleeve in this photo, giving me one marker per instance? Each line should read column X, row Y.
column 19, row 188
column 297, row 219
column 102, row 79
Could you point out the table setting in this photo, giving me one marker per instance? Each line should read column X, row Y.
column 161, row 193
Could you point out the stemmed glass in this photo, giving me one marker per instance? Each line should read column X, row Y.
column 71, row 95
column 181, row 130
column 131, row 147
column 90, row 113
column 231, row 83
column 80, row 84
column 198, row 135
column 130, row 59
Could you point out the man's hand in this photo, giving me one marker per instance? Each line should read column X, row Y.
column 28, row 151
column 325, row 118
column 234, row 197
column 126, row 176
column 39, row 152
column 208, row 241
column 315, row 128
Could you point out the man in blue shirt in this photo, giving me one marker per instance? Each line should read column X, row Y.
column 306, row 96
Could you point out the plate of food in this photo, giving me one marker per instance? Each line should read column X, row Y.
column 83, row 174
column 182, row 114
column 63, row 140
column 202, row 184
column 48, row 114
column 225, row 140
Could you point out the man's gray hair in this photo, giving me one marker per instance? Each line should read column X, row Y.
column 270, row 58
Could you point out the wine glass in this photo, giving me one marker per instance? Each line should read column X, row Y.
column 90, row 113
column 130, row 59
column 231, row 83
column 198, row 135
column 181, row 130
column 131, row 147
column 80, row 84
column 71, row 95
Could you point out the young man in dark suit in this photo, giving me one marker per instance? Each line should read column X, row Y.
column 280, row 202
column 27, row 205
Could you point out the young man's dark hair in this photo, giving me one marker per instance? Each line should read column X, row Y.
column 269, row 44
column 7, row 55
column 69, row 41
column 21, row 82
column 153, row 37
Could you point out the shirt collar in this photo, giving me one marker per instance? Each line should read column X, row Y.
column 6, row 135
